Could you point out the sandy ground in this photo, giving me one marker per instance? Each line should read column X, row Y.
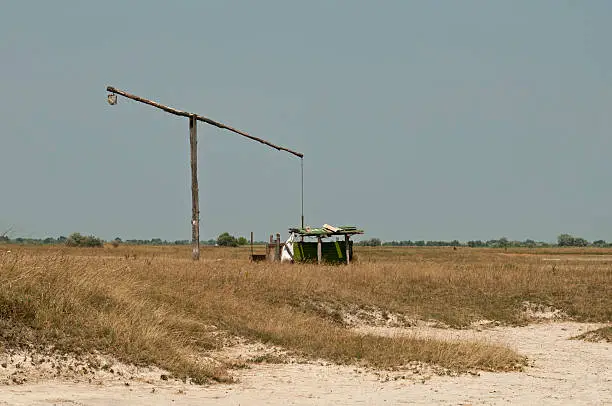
column 561, row 371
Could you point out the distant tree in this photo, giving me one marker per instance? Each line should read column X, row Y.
column 394, row 243
column 529, row 243
column 503, row 242
column 568, row 240
column 500, row 243
column 600, row 243
column 580, row 242
column 227, row 240
column 242, row 241
column 78, row 240
column 565, row 240
column 372, row 242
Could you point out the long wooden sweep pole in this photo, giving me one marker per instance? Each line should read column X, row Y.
column 193, row 143
column 200, row 118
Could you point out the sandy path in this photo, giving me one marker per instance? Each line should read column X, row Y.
column 562, row 371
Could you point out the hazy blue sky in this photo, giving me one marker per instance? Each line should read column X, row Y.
column 418, row 119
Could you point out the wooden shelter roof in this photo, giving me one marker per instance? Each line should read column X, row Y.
column 326, row 231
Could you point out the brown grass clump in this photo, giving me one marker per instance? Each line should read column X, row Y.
column 78, row 304
column 150, row 305
column 601, row 334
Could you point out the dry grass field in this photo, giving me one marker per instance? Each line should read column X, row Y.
column 154, row 306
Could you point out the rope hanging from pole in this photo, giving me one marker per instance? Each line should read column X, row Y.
column 302, row 165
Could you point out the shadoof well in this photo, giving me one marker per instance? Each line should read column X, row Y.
column 193, row 142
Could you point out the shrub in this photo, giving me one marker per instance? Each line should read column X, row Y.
column 372, row 242
column 568, row 240
column 78, row 240
column 227, row 240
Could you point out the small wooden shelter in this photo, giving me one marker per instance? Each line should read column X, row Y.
column 329, row 251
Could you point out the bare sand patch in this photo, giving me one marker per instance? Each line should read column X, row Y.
column 33, row 365
column 560, row 371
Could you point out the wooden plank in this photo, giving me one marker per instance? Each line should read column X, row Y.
column 331, row 228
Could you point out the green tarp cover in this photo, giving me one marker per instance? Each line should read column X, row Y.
column 334, row 252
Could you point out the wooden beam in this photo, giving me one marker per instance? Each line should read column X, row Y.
column 200, row 118
column 195, row 201
column 319, row 250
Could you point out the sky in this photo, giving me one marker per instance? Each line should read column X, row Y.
column 432, row 120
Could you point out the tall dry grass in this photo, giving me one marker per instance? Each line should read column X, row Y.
column 150, row 305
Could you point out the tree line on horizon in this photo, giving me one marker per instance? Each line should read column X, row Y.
column 79, row 240
column 563, row 240
column 227, row 240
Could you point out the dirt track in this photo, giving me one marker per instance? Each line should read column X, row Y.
column 561, row 371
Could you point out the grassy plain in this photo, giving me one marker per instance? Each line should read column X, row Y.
column 153, row 305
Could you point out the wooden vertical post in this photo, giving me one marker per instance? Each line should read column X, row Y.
column 319, row 251
column 278, row 248
column 195, row 200
column 251, row 245
column 348, row 251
